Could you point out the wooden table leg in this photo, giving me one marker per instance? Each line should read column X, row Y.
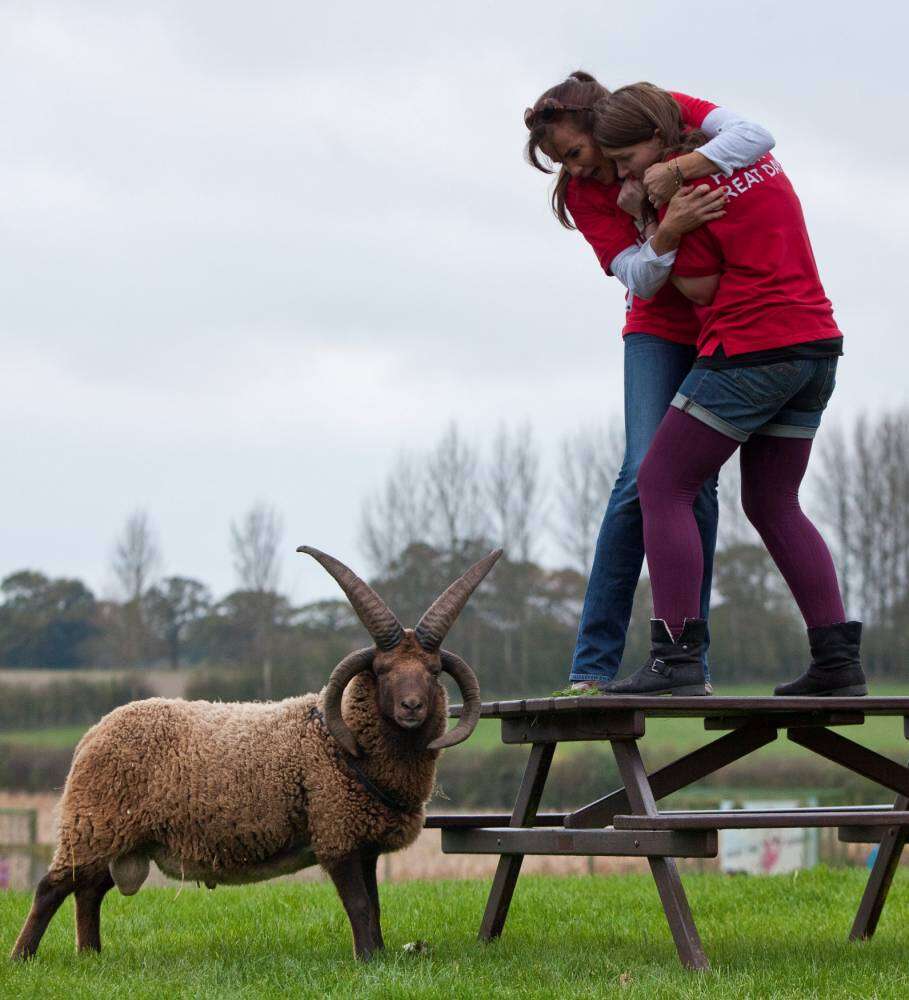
column 523, row 814
column 665, row 873
column 885, row 865
column 679, row 774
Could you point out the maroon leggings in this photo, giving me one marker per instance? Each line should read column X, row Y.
column 684, row 453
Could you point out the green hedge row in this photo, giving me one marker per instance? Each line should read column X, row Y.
column 489, row 779
column 65, row 702
column 32, row 769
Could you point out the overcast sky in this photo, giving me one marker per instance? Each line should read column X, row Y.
column 253, row 250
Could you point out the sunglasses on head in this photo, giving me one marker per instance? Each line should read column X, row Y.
column 547, row 114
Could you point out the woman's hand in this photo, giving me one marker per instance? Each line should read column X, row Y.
column 692, row 207
column 632, row 197
column 661, row 182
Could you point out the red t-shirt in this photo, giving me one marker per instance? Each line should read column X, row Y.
column 770, row 294
column 609, row 230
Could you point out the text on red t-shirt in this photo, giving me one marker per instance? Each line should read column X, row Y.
column 770, row 293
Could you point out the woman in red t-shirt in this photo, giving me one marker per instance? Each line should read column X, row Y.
column 660, row 331
column 767, row 356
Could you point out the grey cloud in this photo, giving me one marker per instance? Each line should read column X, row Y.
column 221, row 224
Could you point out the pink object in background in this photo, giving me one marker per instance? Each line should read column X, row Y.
column 770, row 854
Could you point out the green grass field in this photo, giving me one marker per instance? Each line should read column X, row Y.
column 665, row 738
column 61, row 738
column 575, row 937
column 668, row 737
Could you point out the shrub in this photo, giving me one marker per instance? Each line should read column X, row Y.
column 65, row 703
column 28, row 769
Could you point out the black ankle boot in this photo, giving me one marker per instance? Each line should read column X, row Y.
column 674, row 665
column 835, row 665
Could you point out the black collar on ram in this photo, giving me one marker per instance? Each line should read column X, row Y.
column 383, row 795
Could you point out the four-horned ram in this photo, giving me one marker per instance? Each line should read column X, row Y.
column 234, row 793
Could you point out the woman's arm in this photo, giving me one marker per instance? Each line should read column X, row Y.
column 700, row 290
column 643, row 270
column 734, row 142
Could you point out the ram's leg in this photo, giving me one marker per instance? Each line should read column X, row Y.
column 51, row 891
column 350, row 881
column 89, row 896
column 370, row 862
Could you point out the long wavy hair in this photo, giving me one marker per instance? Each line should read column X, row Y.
column 574, row 100
column 634, row 113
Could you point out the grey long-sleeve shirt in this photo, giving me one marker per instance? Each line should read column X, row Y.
column 734, row 142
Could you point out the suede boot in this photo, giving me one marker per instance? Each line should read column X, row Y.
column 836, row 668
column 674, row 665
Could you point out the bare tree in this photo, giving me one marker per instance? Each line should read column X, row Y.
column 589, row 462
column 398, row 516
column 514, row 495
column 514, row 492
column 861, row 488
column 455, row 489
column 256, row 541
column 135, row 558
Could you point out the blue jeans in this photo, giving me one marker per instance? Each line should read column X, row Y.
column 654, row 370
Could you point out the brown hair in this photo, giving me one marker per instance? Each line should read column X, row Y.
column 633, row 114
column 572, row 101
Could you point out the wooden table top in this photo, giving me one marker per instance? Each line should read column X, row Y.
column 697, row 707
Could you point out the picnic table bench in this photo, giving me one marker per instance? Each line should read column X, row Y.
column 627, row 822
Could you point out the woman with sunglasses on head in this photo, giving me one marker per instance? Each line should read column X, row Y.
column 661, row 329
column 767, row 357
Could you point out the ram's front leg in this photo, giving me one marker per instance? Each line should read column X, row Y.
column 89, row 897
column 370, row 861
column 349, row 878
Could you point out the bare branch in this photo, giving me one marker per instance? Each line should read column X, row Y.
column 136, row 556
column 256, row 541
column 589, row 462
column 398, row 516
column 455, row 488
column 514, row 492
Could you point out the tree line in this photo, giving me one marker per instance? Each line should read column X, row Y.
column 433, row 515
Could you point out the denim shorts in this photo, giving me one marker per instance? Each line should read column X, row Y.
column 783, row 399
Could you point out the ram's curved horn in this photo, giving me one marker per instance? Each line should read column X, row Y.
column 467, row 681
column 375, row 614
column 437, row 620
column 352, row 664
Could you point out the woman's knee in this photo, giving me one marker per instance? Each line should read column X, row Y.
column 651, row 480
column 755, row 504
column 765, row 507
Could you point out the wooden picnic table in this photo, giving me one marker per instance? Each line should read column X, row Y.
column 627, row 822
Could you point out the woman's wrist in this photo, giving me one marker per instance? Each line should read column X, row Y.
column 693, row 165
column 665, row 238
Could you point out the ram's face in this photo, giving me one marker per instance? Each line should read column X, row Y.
column 407, row 683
